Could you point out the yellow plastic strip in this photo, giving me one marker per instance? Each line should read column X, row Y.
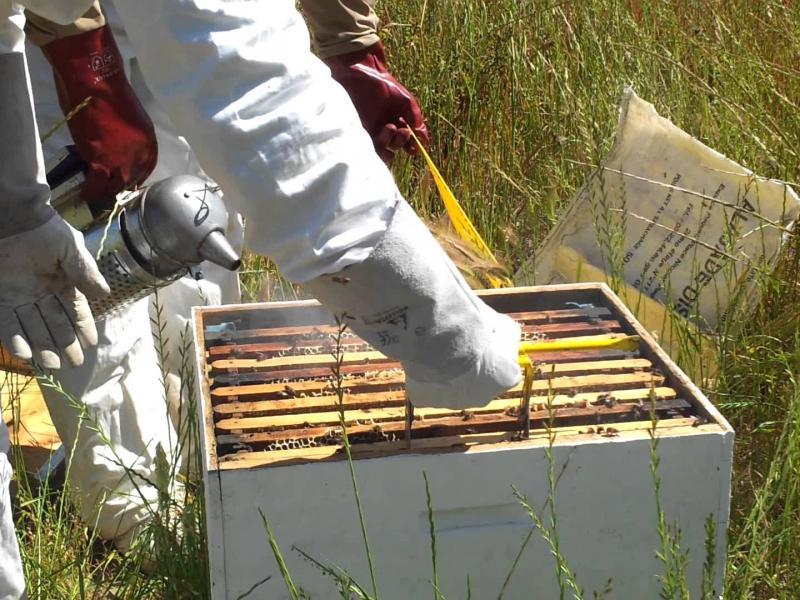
column 627, row 343
column 461, row 223
column 466, row 230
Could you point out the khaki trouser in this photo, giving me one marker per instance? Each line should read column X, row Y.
column 338, row 26
column 341, row 26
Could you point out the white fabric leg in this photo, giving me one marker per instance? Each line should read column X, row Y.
column 12, row 582
column 115, row 423
column 219, row 286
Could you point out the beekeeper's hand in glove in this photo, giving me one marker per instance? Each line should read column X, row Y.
column 112, row 132
column 387, row 109
column 44, row 265
column 409, row 301
column 44, row 313
column 346, row 36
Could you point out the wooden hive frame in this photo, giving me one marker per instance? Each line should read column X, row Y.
column 268, row 385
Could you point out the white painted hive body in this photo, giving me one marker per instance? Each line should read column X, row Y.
column 272, row 442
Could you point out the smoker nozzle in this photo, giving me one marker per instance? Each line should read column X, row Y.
column 216, row 249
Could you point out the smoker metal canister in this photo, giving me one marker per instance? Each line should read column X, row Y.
column 156, row 236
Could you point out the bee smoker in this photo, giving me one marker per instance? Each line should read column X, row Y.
column 155, row 236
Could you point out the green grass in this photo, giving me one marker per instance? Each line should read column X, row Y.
column 521, row 98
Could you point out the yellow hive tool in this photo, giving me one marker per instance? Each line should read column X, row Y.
column 626, row 343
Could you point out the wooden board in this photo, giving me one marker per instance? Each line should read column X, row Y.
column 396, row 380
column 20, row 397
column 397, row 399
column 445, row 425
column 9, row 364
column 236, row 335
column 464, row 443
column 307, row 342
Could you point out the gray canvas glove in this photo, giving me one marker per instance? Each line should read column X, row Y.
column 42, row 314
column 42, row 259
column 409, row 301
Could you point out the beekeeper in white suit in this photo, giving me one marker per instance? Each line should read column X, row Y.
column 285, row 143
column 42, row 259
column 120, row 410
column 119, row 385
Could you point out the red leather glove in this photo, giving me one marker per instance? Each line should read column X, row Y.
column 387, row 109
column 113, row 133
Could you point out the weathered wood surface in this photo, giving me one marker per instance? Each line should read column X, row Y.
column 301, row 366
column 21, row 400
column 393, row 425
column 319, row 404
column 396, row 379
column 301, row 420
column 467, row 442
column 528, row 317
column 10, row 364
column 308, row 342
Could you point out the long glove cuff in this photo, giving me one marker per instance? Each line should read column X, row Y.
column 376, row 53
column 112, row 131
column 379, row 98
column 409, row 301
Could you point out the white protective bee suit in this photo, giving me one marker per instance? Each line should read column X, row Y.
column 118, row 414
column 284, row 142
column 120, row 383
column 41, row 257
column 12, row 582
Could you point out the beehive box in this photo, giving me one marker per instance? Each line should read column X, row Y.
column 272, row 441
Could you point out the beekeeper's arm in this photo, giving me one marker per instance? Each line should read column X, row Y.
column 346, row 37
column 112, row 132
column 285, row 144
column 44, row 260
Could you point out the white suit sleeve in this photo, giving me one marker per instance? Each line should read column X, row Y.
column 62, row 12
column 268, row 123
column 12, row 25
column 24, row 194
